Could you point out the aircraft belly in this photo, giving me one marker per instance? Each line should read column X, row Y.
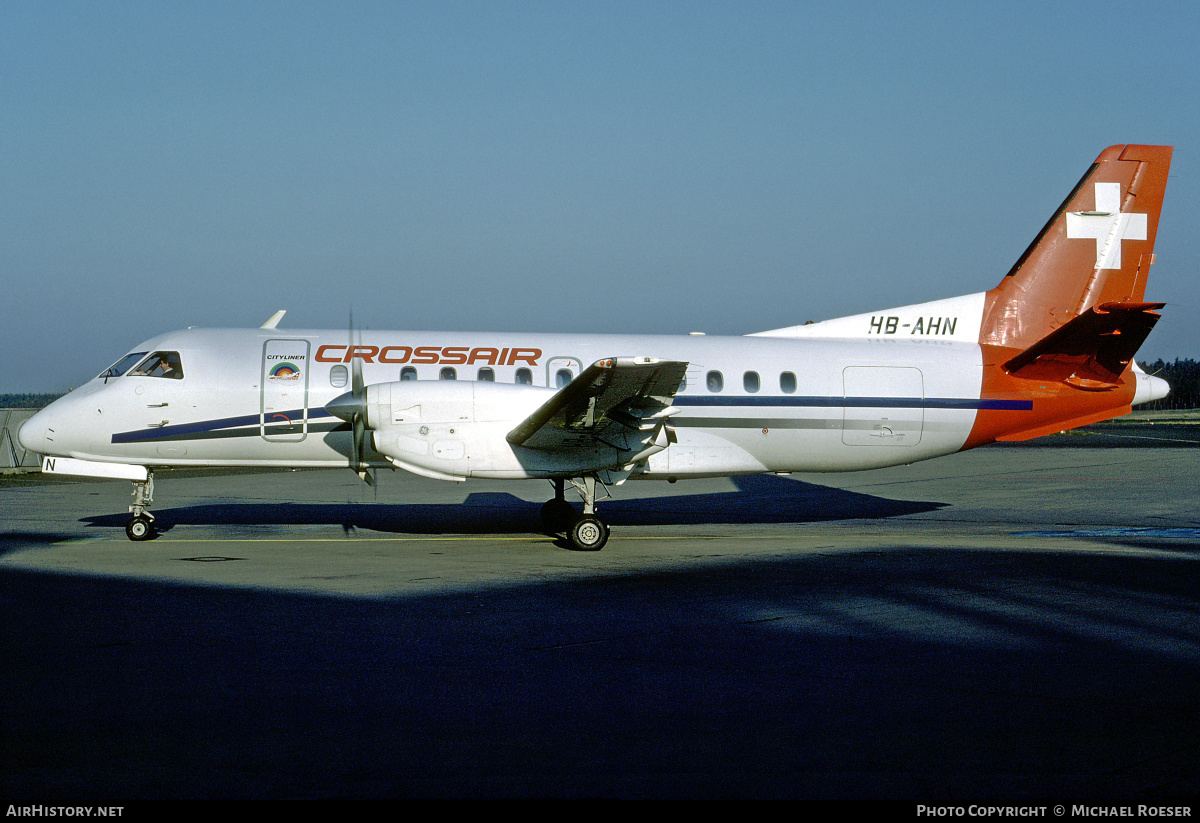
column 254, row 451
column 813, row 441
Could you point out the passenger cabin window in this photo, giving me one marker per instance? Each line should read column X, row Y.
column 486, row 375
column 524, row 377
column 750, row 381
column 787, row 382
column 448, row 373
column 408, row 373
column 338, row 376
column 123, row 365
column 160, row 364
column 562, row 377
column 715, row 381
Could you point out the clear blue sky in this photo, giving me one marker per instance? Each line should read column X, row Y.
column 628, row 167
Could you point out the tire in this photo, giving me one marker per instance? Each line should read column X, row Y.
column 139, row 528
column 589, row 533
column 558, row 515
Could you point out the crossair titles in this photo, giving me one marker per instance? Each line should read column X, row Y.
column 427, row 355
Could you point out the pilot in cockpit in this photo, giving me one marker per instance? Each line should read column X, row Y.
column 161, row 364
column 162, row 368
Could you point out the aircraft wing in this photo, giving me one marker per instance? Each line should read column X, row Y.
column 610, row 398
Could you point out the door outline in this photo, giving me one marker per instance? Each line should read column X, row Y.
column 283, row 390
column 883, row 405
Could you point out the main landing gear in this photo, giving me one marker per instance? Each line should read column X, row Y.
column 141, row 522
column 587, row 532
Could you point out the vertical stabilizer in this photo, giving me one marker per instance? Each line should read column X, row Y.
column 1096, row 249
column 1059, row 333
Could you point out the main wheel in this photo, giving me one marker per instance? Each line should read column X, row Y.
column 139, row 527
column 557, row 515
column 589, row 533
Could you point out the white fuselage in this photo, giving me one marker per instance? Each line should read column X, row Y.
column 750, row 404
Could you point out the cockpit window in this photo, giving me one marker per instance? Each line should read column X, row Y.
column 160, row 364
column 121, row 366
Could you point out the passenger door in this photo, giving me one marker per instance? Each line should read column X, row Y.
column 284, row 390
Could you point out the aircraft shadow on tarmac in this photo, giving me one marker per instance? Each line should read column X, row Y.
column 758, row 499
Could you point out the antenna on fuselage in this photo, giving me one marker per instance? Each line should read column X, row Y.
column 274, row 319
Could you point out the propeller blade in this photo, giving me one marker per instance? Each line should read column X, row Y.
column 352, row 407
column 356, row 376
column 360, row 436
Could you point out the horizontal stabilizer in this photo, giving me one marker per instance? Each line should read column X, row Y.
column 1092, row 350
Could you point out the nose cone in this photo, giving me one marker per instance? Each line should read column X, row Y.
column 36, row 435
column 346, row 406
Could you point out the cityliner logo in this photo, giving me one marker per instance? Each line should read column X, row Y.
column 284, row 371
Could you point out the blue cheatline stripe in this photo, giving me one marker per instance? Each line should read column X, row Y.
column 858, row 402
column 201, row 427
column 981, row 405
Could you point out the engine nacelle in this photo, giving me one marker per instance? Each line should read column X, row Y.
column 449, row 402
column 452, row 430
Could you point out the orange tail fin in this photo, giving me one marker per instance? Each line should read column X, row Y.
column 1060, row 331
column 1096, row 249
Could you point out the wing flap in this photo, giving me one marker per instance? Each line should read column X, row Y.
column 634, row 393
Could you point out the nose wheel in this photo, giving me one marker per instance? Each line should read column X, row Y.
column 140, row 527
column 141, row 521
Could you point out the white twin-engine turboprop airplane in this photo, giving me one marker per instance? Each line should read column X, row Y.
column 1051, row 347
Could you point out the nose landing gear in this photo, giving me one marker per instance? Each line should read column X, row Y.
column 141, row 522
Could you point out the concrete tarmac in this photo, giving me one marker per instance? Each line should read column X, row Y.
column 1010, row 624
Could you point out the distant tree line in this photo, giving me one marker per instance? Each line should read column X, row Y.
column 1184, row 377
column 27, row 400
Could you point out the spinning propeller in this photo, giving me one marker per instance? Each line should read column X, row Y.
column 352, row 407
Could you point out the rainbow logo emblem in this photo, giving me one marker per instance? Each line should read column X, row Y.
column 284, row 371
